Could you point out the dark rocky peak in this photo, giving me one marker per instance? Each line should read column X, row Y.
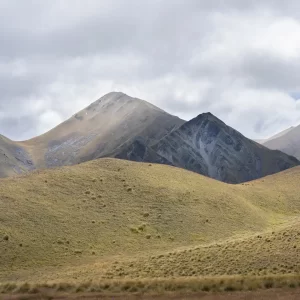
column 204, row 119
column 205, row 126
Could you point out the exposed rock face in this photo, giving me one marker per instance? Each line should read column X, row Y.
column 120, row 126
column 138, row 150
column 14, row 159
column 208, row 146
column 103, row 129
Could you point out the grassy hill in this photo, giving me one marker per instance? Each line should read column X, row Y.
column 111, row 218
column 272, row 253
column 119, row 126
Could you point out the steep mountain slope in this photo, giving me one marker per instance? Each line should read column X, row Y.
column 91, row 220
column 123, row 127
column 208, row 146
column 99, row 129
column 137, row 150
column 289, row 142
column 277, row 135
column 14, row 159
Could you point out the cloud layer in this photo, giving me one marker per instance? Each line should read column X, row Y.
column 238, row 60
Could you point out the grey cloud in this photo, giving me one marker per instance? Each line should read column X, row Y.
column 176, row 54
column 264, row 70
column 18, row 128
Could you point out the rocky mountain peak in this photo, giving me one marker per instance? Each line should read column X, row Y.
column 205, row 118
column 208, row 146
column 117, row 125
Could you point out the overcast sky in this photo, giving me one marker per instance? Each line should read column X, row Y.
column 239, row 59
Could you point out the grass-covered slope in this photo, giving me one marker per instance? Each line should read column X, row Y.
column 85, row 217
column 271, row 253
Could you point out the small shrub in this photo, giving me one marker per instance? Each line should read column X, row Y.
column 134, row 230
column 146, row 215
column 205, row 288
column 292, row 285
column 87, row 192
column 129, row 189
column 142, row 227
column 229, row 288
column 34, row 290
column 79, row 289
column 133, row 289
column 8, row 288
column 126, row 287
column 24, row 288
column 148, row 236
column 64, row 287
column 268, row 284
column 6, row 237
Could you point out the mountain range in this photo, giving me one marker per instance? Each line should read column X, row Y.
column 287, row 141
column 120, row 126
column 141, row 220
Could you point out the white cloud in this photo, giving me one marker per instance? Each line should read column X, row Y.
column 238, row 60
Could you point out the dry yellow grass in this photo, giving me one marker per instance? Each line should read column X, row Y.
column 268, row 254
column 153, row 287
column 109, row 219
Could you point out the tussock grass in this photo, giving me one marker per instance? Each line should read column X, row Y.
column 268, row 254
column 173, row 223
column 159, row 285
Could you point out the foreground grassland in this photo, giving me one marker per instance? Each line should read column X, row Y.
column 160, row 285
column 117, row 221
